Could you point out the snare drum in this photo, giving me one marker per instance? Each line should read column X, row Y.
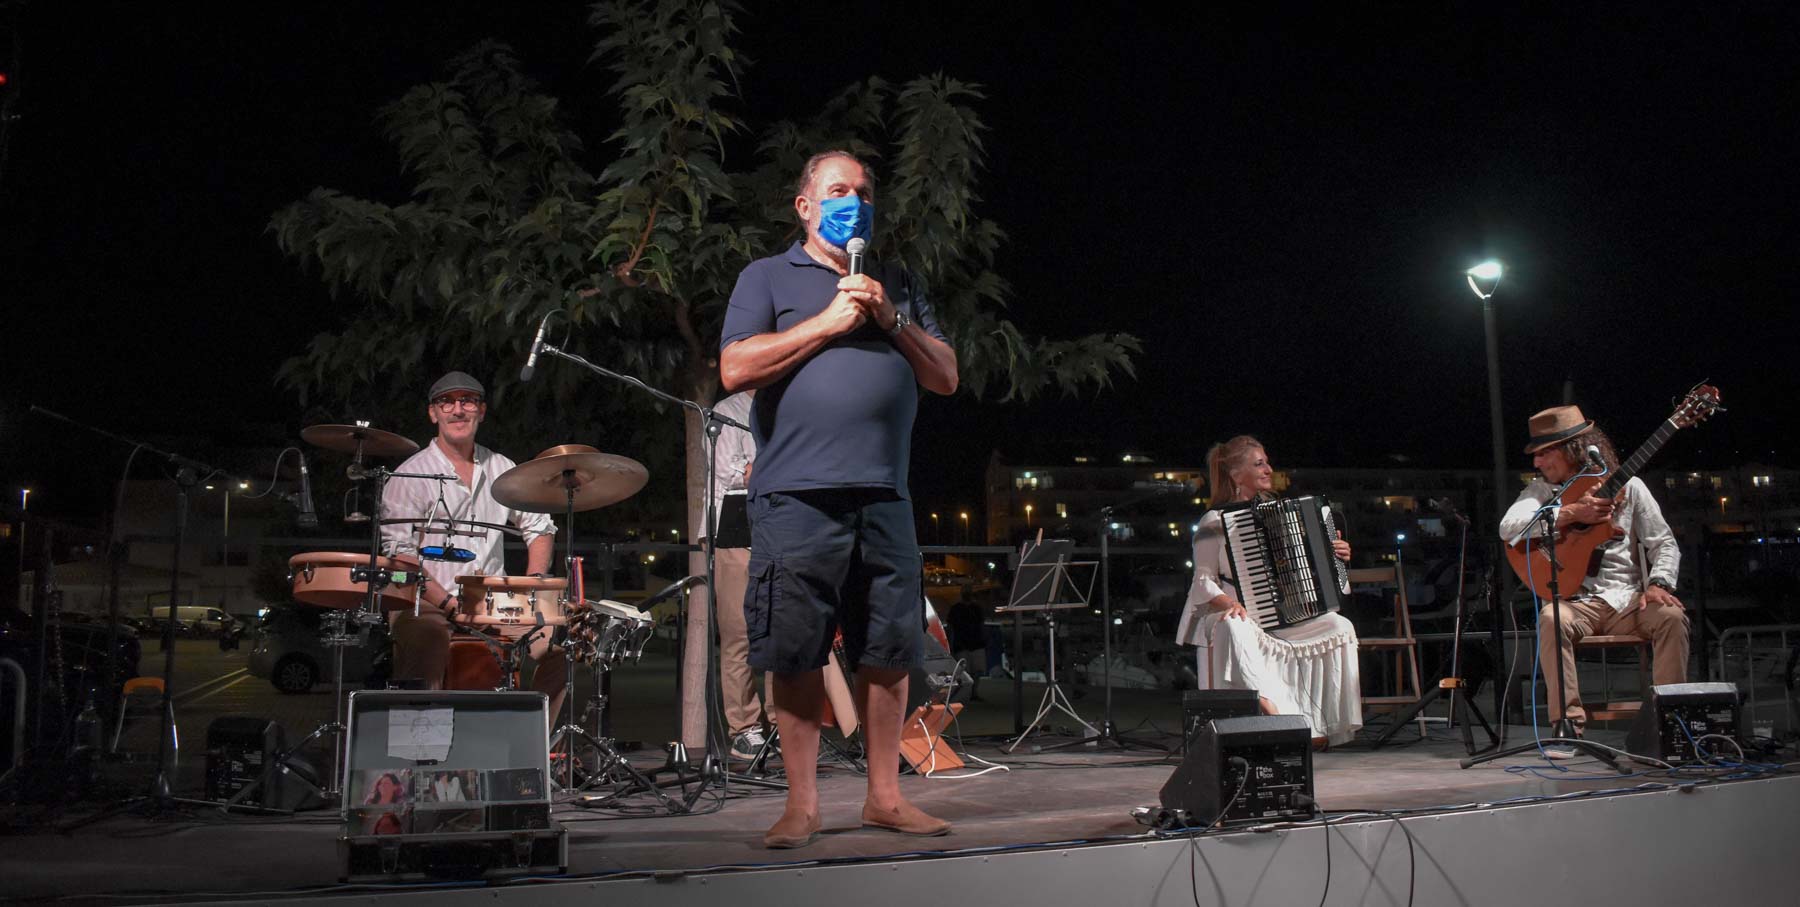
column 507, row 601
column 324, row 579
column 609, row 633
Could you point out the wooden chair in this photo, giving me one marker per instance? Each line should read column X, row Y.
column 1399, row 652
column 1609, row 709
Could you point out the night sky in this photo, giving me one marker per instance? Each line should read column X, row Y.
column 1279, row 205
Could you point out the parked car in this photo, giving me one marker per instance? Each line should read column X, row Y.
column 291, row 654
column 192, row 620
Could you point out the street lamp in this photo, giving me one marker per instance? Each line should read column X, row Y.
column 1483, row 280
column 24, row 501
column 1027, row 516
column 937, row 538
column 965, row 526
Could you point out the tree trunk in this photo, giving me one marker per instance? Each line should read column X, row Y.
column 694, row 676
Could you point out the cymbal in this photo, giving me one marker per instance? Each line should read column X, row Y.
column 598, row 479
column 435, row 526
column 346, row 438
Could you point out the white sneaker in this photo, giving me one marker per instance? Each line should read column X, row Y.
column 747, row 744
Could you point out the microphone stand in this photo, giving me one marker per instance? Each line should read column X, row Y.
column 1109, row 732
column 1563, row 731
column 1463, row 707
column 161, row 799
column 715, row 767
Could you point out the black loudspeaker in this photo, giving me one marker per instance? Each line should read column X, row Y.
column 1257, row 767
column 1200, row 706
column 1677, row 715
column 939, row 680
column 240, row 750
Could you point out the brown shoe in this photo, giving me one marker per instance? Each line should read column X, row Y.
column 907, row 820
column 791, row 830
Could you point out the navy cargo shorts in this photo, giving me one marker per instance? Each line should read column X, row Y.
column 829, row 560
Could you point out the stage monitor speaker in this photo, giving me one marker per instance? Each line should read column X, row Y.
column 1250, row 768
column 1677, row 715
column 1200, row 706
column 1244, row 769
column 939, row 681
column 239, row 751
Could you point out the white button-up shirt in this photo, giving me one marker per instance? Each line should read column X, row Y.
column 430, row 498
column 735, row 450
column 1620, row 578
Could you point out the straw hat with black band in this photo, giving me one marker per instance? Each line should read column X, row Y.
column 1556, row 425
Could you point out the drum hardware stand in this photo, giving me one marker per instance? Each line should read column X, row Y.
column 1563, row 731
column 1040, row 595
column 506, row 653
column 715, row 767
column 1463, row 707
column 609, row 763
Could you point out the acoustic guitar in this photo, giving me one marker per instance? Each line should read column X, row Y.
column 1578, row 545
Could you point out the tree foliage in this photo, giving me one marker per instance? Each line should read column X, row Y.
column 507, row 221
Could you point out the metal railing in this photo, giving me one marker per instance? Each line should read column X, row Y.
column 19, row 700
column 1761, row 673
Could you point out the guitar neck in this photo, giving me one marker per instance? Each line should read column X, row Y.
column 1638, row 458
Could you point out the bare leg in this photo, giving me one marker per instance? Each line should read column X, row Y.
column 799, row 700
column 881, row 696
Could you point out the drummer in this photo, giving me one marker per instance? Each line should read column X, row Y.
column 457, row 404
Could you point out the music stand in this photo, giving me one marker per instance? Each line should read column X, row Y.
column 1042, row 584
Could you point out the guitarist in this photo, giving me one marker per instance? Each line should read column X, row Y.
column 1633, row 589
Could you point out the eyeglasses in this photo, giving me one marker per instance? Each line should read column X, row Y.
column 448, row 404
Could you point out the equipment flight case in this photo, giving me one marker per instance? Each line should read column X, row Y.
column 448, row 785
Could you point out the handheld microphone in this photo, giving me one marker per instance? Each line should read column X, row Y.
column 855, row 247
column 537, row 343
column 1593, row 455
column 308, row 518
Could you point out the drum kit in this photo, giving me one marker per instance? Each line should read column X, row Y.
column 357, row 589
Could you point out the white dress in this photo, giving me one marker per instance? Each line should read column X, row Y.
column 1308, row 669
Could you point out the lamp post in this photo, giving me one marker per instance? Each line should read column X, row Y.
column 1028, row 517
column 24, row 501
column 965, row 526
column 937, row 538
column 1483, row 280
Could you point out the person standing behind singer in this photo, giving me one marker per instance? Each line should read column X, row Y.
column 743, row 706
column 838, row 359
column 1307, row 669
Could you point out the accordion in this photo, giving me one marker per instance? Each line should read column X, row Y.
column 1280, row 553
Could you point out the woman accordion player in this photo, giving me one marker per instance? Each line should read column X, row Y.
column 1307, row 669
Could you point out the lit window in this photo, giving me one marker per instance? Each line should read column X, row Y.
column 1062, row 511
column 1718, row 482
column 1762, row 481
column 1084, row 459
column 1669, row 482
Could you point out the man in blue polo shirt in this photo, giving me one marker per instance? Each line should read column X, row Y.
column 837, row 359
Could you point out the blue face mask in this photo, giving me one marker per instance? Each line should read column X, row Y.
column 845, row 217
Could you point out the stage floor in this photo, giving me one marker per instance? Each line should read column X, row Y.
column 1067, row 796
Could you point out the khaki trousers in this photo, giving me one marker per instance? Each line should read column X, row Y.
column 1666, row 627
column 737, row 683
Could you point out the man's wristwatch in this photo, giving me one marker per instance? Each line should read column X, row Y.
column 900, row 323
column 1665, row 586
